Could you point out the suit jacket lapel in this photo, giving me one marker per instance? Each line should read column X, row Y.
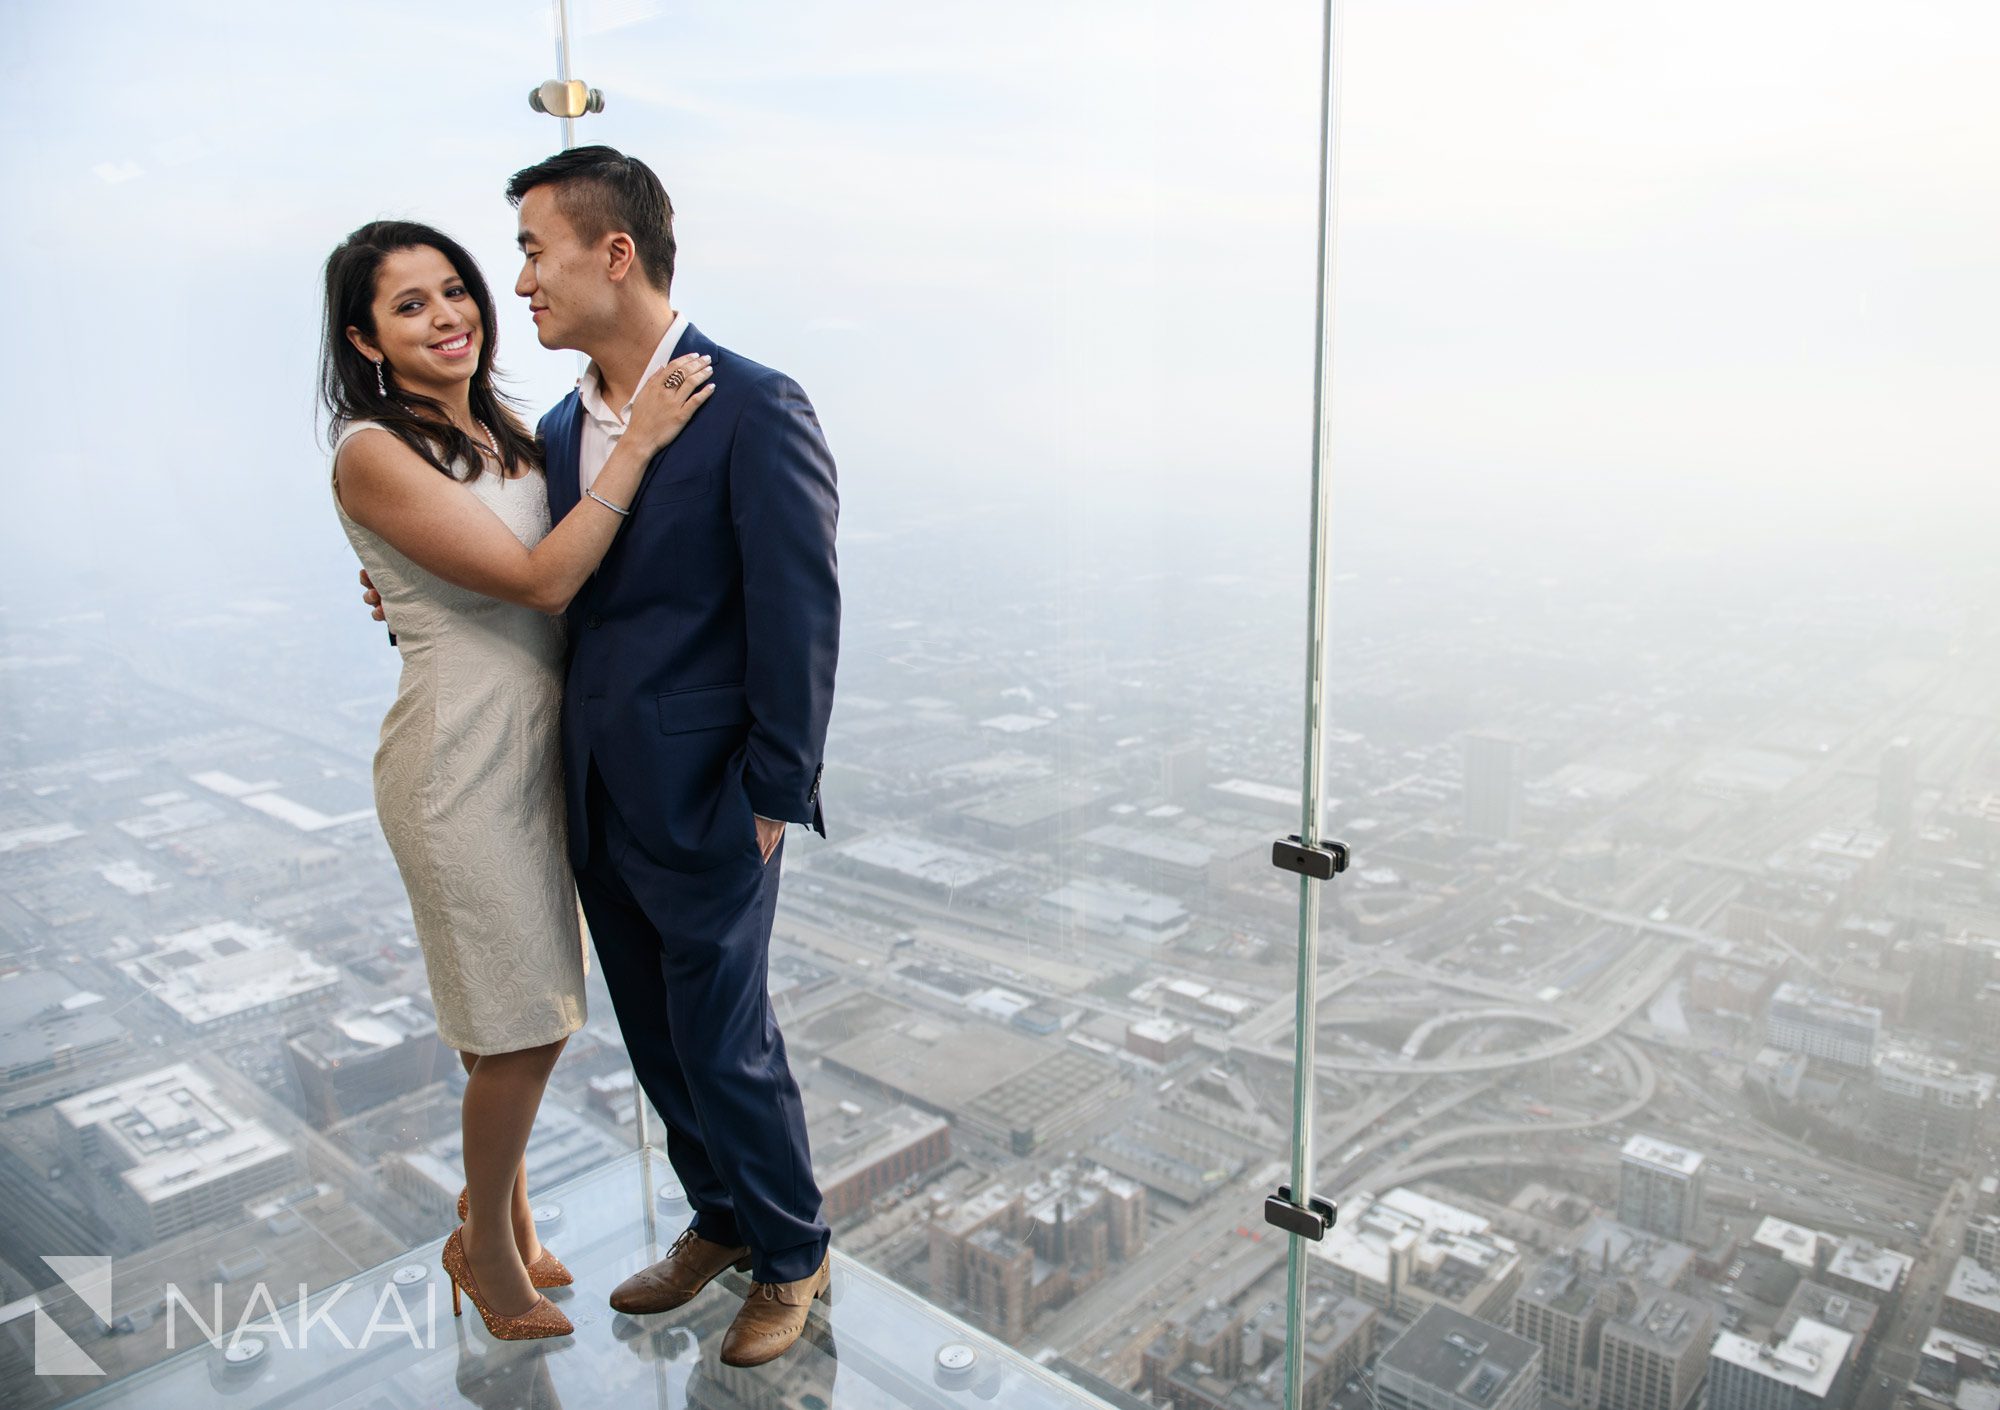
column 563, row 451
column 691, row 342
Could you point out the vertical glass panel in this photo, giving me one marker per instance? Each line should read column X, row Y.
column 1048, row 284
column 219, row 1072
column 1045, row 292
column 1643, row 1048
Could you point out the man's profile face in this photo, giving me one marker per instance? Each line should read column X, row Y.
column 568, row 288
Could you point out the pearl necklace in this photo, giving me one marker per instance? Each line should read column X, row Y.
column 487, row 431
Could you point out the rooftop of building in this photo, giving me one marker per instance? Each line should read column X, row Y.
column 1796, row 1244
column 1433, row 1236
column 1559, row 1285
column 1869, row 1264
column 1256, row 792
column 1619, row 1250
column 42, row 1013
column 1825, row 1304
column 1663, row 1155
column 1450, row 1351
column 1974, row 1286
column 940, row 1065
column 1151, row 846
column 1116, row 901
column 213, row 971
column 1808, row 1358
column 1907, row 1065
column 1664, row 1321
column 170, row 1129
column 376, row 1028
column 921, row 859
column 1157, row 1030
column 846, row 1142
column 1816, row 1004
column 1957, row 1348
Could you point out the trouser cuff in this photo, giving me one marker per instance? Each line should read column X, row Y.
column 790, row 1264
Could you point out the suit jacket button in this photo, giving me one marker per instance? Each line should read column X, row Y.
column 593, row 620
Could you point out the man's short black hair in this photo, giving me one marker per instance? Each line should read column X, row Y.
column 599, row 190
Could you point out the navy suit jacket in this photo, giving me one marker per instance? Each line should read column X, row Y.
column 702, row 651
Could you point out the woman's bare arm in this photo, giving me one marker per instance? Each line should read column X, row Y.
column 439, row 525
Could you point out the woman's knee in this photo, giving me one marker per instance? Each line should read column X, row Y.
column 537, row 1060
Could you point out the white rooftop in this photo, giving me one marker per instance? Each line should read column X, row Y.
column 1014, row 724
column 1426, row 1231
column 1869, row 1264
column 1663, row 1155
column 1951, row 1346
column 302, row 816
column 1259, row 792
column 1116, row 901
column 1902, row 1067
column 1826, row 1005
column 215, row 971
column 230, row 786
column 1808, row 1358
column 1794, row 1243
column 999, row 1003
column 171, row 1130
column 1974, row 1286
column 922, row 859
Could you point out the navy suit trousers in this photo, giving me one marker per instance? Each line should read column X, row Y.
column 684, row 956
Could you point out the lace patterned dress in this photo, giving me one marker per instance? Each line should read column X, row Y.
column 469, row 790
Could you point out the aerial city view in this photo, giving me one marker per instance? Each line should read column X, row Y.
column 1656, row 1014
column 1125, row 706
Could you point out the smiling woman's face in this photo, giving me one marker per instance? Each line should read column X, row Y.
column 426, row 322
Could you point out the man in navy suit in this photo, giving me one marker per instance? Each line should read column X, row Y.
column 694, row 719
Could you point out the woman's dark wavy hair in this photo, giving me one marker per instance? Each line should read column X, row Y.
column 347, row 379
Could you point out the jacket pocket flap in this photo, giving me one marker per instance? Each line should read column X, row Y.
column 683, row 484
column 703, row 707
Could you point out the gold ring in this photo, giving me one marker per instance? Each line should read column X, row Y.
column 674, row 379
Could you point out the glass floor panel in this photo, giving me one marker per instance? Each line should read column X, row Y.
column 877, row 1345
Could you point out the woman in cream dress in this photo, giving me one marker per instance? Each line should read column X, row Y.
column 437, row 486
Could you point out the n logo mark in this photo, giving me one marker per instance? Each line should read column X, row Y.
column 88, row 1275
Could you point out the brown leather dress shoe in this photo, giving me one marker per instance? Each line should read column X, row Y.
column 685, row 1271
column 773, row 1316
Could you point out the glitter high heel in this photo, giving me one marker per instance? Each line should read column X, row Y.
column 544, row 1319
column 546, row 1271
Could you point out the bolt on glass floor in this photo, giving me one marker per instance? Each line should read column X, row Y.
column 387, row 1338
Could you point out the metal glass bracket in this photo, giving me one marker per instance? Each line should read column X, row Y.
column 1310, row 1220
column 1321, row 861
column 562, row 96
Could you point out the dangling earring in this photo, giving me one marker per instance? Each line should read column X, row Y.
column 381, row 383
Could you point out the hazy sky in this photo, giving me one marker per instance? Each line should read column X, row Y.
column 1632, row 277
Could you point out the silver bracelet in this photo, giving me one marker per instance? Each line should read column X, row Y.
column 623, row 513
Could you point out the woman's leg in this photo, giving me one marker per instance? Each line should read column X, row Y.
column 502, row 1093
column 522, row 1216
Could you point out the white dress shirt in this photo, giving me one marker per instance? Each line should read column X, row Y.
column 602, row 426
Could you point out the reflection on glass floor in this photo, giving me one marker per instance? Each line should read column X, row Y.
column 876, row 1346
